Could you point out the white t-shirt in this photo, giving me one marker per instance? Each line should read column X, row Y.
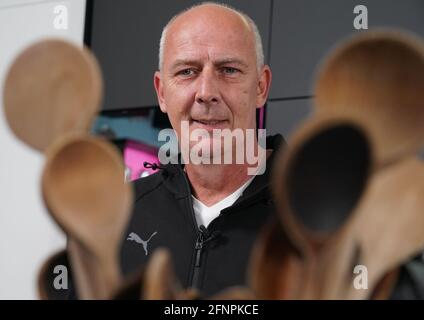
column 204, row 214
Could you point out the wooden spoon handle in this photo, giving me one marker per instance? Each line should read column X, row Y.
column 95, row 279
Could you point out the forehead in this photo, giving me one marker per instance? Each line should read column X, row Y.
column 211, row 32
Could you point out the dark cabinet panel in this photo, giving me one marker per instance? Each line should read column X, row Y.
column 125, row 38
column 303, row 31
column 286, row 115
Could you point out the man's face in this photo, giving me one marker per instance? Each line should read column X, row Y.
column 209, row 75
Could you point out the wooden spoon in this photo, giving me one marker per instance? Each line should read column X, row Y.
column 160, row 282
column 84, row 190
column 156, row 281
column 318, row 181
column 275, row 268
column 52, row 88
column 388, row 229
column 234, row 293
column 372, row 218
column 377, row 79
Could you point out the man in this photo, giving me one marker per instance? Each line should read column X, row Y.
column 211, row 77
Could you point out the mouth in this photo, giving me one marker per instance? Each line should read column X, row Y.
column 210, row 124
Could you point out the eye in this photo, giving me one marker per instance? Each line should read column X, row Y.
column 185, row 72
column 230, row 70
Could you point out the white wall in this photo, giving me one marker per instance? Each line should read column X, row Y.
column 27, row 234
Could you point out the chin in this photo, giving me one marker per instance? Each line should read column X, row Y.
column 207, row 147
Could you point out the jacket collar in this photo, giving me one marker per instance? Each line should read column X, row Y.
column 176, row 180
column 261, row 182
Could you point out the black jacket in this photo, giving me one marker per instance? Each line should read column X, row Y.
column 211, row 259
column 217, row 257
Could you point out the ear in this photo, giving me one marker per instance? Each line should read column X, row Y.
column 264, row 85
column 157, row 81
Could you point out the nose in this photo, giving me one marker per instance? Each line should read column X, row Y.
column 208, row 90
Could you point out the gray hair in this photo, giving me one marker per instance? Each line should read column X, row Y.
column 253, row 27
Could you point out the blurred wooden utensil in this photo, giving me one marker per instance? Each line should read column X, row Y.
column 388, row 230
column 155, row 281
column 52, row 88
column 160, row 282
column 318, row 181
column 275, row 268
column 83, row 188
column 377, row 80
column 340, row 210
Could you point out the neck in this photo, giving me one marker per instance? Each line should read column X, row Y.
column 212, row 183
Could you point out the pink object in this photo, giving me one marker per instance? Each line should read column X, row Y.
column 135, row 154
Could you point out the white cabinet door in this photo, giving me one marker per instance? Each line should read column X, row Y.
column 27, row 234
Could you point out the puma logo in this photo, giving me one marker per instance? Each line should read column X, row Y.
column 135, row 237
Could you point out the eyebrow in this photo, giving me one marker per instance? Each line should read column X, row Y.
column 231, row 61
column 185, row 62
column 221, row 62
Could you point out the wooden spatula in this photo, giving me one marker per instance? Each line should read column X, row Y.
column 52, row 88
column 377, row 79
column 84, row 190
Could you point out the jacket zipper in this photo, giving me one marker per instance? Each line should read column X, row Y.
column 202, row 239
column 199, row 241
column 198, row 253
